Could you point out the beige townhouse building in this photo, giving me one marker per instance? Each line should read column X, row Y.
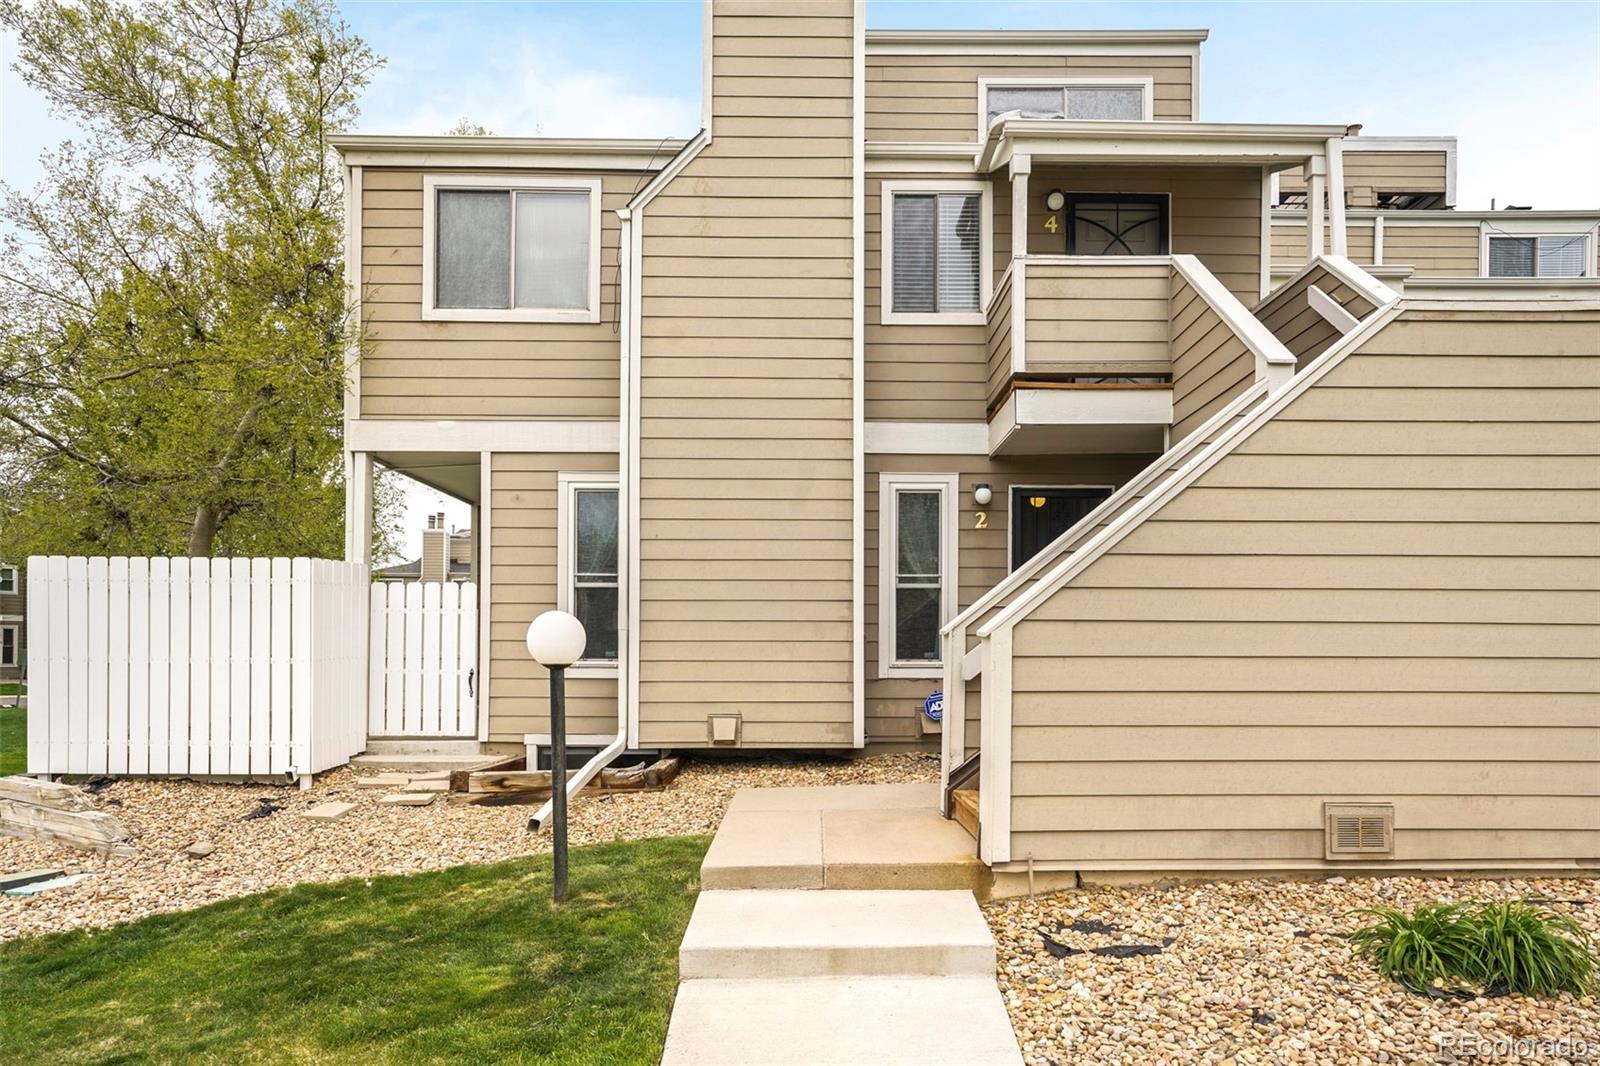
column 1216, row 496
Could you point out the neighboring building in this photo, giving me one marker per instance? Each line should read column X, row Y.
column 446, row 556
column 770, row 408
column 13, row 621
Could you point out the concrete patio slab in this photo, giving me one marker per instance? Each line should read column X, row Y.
column 841, row 1021
column 765, row 849
column 797, row 933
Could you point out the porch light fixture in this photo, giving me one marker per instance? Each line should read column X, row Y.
column 556, row 640
column 982, row 495
column 1055, row 199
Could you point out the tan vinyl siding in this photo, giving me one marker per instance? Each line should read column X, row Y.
column 999, row 343
column 1210, row 364
column 935, row 98
column 1097, row 317
column 746, row 451
column 1436, row 251
column 1287, row 313
column 931, row 373
column 1215, row 213
column 1289, row 242
column 522, row 550
column 1366, row 174
column 417, row 369
column 1390, row 592
column 893, row 704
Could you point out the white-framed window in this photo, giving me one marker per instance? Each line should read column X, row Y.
column 937, row 263
column 510, row 249
column 1079, row 99
column 8, row 579
column 918, row 519
column 8, row 645
column 1561, row 255
column 587, row 546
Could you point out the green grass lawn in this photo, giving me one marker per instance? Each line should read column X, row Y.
column 469, row 964
column 13, row 740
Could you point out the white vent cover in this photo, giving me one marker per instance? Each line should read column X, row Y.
column 1356, row 829
column 722, row 728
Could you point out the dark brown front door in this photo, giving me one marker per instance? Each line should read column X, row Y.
column 1039, row 516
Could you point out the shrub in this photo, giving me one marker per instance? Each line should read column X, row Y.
column 1510, row 946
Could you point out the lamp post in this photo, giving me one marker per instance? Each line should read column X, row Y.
column 556, row 640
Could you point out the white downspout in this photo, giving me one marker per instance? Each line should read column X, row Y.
column 601, row 759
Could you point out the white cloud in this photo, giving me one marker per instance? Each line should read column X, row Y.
column 533, row 93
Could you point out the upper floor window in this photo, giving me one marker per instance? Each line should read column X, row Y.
column 1105, row 99
column 936, row 241
column 8, row 579
column 518, row 250
column 1561, row 256
column 587, row 578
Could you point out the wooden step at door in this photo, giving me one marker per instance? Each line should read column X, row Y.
column 964, row 807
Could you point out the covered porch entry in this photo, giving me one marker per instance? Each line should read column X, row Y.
column 427, row 629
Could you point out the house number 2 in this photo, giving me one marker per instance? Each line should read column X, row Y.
column 982, row 520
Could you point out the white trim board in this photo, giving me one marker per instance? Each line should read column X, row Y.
column 508, row 435
column 927, row 438
column 888, row 190
column 433, row 184
column 858, row 372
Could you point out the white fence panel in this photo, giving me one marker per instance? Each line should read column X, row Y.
column 228, row 667
column 423, row 648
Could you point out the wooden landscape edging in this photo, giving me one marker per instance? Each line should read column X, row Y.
column 497, row 788
column 52, row 811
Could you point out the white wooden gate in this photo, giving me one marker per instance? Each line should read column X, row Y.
column 422, row 661
column 234, row 667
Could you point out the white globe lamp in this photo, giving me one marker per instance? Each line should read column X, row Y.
column 556, row 639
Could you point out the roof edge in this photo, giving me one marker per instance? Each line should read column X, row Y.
column 900, row 36
column 633, row 151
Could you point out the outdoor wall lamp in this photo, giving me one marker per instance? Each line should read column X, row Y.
column 1055, row 200
column 981, row 495
column 556, row 640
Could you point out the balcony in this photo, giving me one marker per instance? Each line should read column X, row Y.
column 1116, row 354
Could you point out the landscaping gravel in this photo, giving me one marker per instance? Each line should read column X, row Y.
column 250, row 853
column 1257, row 972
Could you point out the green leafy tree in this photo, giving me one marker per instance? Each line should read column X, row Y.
column 173, row 325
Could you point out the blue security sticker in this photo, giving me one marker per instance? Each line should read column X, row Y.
column 933, row 707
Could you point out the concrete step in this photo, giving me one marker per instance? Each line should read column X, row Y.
column 416, row 763
column 841, row 1021
column 460, row 748
column 852, row 837
column 798, row 933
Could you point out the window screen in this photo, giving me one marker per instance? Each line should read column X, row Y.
column 918, row 583
column 937, row 248
column 499, row 249
column 473, row 235
column 1116, row 225
column 594, row 570
column 1033, row 102
column 1127, row 104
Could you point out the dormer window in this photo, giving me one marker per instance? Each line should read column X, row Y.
column 1102, row 99
column 511, row 249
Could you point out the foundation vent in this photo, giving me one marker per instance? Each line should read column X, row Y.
column 1357, row 829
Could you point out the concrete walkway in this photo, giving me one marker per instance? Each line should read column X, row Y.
column 895, row 964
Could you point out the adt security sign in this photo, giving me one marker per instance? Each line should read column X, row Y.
column 933, row 707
